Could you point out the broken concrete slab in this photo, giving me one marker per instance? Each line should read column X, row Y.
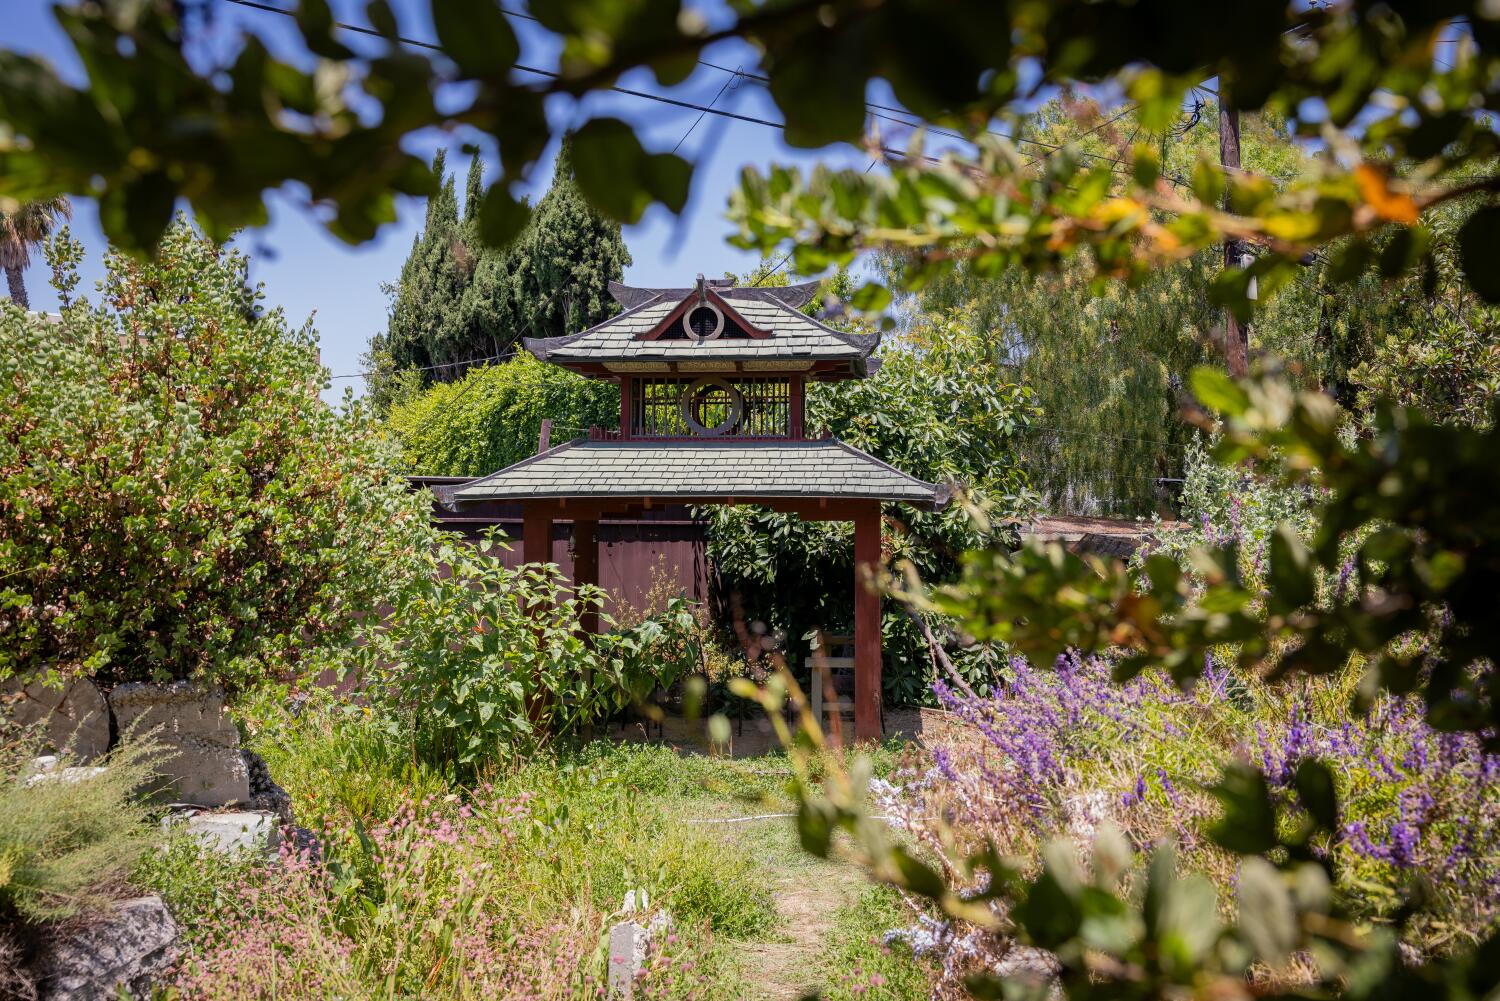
column 203, row 764
column 75, row 717
column 236, row 831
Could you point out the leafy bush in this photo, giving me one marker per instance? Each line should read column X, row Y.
column 940, row 409
column 476, row 660
column 67, row 841
column 1400, row 654
column 493, row 415
column 175, row 499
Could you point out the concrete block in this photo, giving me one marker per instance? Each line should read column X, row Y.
column 75, row 717
column 238, row 831
column 203, row 764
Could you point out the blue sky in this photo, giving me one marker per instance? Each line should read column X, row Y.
column 308, row 272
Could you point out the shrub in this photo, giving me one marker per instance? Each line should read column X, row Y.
column 175, row 499
column 67, row 841
column 476, row 660
column 1369, row 758
column 939, row 408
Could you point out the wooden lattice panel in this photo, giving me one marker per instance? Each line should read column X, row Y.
column 765, row 407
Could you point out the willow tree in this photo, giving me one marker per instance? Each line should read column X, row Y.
column 1107, row 361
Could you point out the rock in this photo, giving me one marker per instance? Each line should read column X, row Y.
column 630, row 942
column 46, row 769
column 130, row 948
column 203, row 764
column 265, row 794
column 235, row 832
column 76, row 717
column 627, row 957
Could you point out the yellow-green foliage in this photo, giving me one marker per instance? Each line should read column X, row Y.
column 66, row 842
column 491, row 417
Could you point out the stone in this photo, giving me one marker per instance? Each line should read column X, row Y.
column 130, row 948
column 628, row 942
column 75, row 717
column 203, row 764
column 47, row 768
column 237, row 831
column 265, row 794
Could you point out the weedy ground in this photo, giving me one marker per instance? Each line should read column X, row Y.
column 435, row 888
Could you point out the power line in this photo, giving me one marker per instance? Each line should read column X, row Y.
column 729, row 84
column 692, row 106
column 430, row 368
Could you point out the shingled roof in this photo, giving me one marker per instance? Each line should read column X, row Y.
column 707, row 470
column 792, row 340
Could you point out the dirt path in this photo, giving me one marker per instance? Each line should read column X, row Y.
column 808, row 892
column 790, row 969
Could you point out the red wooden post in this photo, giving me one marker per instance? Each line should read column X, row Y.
column 536, row 533
column 586, row 565
column 866, row 624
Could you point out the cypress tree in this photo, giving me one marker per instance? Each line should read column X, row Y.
column 426, row 301
column 459, row 300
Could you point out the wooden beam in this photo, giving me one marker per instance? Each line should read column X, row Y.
column 586, row 565
column 866, row 623
column 536, row 532
column 627, row 417
column 797, row 429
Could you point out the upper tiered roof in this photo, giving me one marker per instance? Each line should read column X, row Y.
column 712, row 327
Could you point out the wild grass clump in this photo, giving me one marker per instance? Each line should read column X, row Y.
column 67, row 839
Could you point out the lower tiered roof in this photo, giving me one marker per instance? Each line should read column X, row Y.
column 701, row 471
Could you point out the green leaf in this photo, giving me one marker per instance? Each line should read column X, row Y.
column 918, row 877
column 501, row 217
column 1292, row 579
column 1479, row 252
column 1248, row 826
column 1316, row 791
column 315, row 20
column 871, row 297
column 1267, row 919
column 815, row 826
column 1218, row 392
column 477, row 36
column 620, row 177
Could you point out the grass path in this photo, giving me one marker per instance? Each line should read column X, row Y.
column 808, row 893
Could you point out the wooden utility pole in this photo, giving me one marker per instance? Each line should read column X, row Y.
column 1236, row 335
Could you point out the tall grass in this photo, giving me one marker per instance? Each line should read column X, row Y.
column 67, row 840
column 505, row 887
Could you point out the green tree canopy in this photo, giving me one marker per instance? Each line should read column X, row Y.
column 176, row 501
column 460, row 300
column 491, row 417
column 939, row 408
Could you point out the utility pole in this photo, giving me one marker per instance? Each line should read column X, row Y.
column 1236, row 335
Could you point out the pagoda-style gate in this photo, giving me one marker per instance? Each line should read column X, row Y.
column 711, row 412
